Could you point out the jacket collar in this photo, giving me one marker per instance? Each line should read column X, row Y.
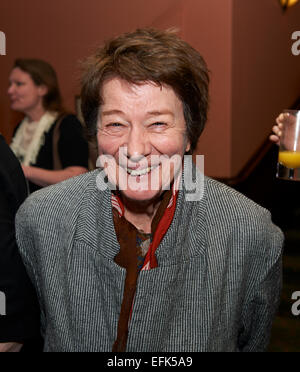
column 185, row 236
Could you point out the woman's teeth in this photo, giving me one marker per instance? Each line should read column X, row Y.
column 139, row 172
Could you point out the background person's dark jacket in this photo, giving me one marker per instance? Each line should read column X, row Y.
column 21, row 322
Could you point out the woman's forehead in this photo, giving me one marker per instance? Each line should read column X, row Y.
column 117, row 91
column 17, row 73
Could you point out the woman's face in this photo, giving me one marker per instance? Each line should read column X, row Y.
column 24, row 94
column 141, row 129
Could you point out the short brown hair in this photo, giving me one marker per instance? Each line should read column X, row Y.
column 149, row 55
column 42, row 73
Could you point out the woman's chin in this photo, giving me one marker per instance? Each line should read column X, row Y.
column 141, row 195
column 17, row 108
column 14, row 107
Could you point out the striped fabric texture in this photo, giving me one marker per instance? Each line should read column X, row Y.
column 216, row 287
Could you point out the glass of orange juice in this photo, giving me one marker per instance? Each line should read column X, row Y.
column 288, row 166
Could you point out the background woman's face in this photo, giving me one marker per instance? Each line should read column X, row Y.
column 142, row 130
column 24, row 94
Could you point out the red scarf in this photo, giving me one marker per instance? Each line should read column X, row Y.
column 163, row 220
column 163, row 225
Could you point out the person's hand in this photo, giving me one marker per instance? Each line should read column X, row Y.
column 283, row 120
column 277, row 129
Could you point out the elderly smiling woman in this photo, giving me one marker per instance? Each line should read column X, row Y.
column 121, row 265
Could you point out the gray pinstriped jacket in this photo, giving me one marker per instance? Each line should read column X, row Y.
column 217, row 286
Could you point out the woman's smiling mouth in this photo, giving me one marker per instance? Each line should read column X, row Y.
column 140, row 172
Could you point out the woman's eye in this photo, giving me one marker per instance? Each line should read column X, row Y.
column 113, row 125
column 16, row 83
column 158, row 124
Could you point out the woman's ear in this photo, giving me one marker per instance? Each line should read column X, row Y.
column 43, row 90
column 188, row 146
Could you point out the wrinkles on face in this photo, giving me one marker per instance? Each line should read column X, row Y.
column 136, row 124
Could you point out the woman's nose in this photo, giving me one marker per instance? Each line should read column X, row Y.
column 138, row 144
column 10, row 89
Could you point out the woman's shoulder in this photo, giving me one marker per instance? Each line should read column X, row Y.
column 68, row 119
column 62, row 126
column 59, row 200
column 224, row 196
column 218, row 198
column 66, row 124
column 230, row 208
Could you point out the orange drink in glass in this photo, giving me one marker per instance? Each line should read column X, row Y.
column 288, row 166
